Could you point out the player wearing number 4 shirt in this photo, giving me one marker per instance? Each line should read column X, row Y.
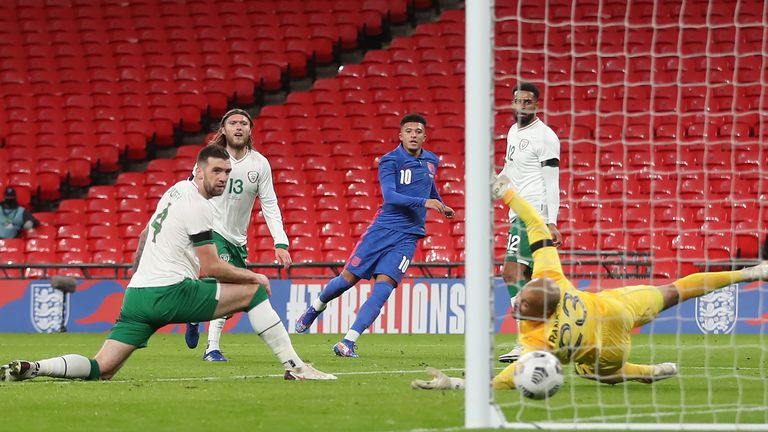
column 407, row 178
column 174, row 248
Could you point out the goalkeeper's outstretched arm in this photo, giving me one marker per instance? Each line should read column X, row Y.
column 546, row 262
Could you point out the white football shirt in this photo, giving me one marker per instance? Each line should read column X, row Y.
column 527, row 148
column 169, row 256
column 251, row 177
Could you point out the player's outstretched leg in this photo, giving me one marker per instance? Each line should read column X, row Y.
column 756, row 273
column 699, row 284
column 646, row 374
column 192, row 335
column 19, row 370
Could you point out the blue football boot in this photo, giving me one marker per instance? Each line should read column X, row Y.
column 214, row 356
column 306, row 319
column 192, row 335
column 345, row 348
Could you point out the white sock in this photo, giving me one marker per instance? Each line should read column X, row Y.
column 318, row 305
column 215, row 327
column 66, row 366
column 352, row 335
column 267, row 324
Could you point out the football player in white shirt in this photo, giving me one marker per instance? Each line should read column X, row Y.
column 251, row 178
column 532, row 164
column 165, row 288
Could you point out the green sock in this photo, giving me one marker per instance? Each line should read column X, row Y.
column 515, row 287
column 95, row 372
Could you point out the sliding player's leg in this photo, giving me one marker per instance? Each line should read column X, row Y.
column 131, row 331
column 104, row 365
column 645, row 374
column 699, row 284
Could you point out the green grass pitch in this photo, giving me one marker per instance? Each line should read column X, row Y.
column 167, row 387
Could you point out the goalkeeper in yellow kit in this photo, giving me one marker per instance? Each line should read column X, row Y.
column 593, row 330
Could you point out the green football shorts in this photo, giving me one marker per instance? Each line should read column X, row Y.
column 237, row 256
column 518, row 248
column 145, row 310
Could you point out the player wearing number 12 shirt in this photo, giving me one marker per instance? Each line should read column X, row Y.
column 407, row 178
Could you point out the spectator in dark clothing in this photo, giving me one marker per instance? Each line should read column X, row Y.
column 14, row 217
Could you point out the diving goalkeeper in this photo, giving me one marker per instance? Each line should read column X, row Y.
column 592, row 330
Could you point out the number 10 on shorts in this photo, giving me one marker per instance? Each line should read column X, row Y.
column 404, row 263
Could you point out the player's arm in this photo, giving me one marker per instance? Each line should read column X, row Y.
column 139, row 249
column 272, row 215
column 212, row 266
column 269, row 207
column 435, row 195
column 29, row 220
column 546, row 261
column 388, row 176
column 550, row 169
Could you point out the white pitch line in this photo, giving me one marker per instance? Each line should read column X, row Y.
column 668, row 414
column 241, row 377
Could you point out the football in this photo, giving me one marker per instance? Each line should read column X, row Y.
column 538, row 375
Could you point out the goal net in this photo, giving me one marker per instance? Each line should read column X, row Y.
column 660, row 108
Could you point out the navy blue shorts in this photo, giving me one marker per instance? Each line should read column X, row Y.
column 382, row 251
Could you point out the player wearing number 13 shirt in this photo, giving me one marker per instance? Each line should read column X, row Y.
column 407, row 178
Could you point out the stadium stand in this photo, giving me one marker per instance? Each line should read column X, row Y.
column 89, row 88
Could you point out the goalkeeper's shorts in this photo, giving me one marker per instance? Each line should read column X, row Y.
column 623, row 310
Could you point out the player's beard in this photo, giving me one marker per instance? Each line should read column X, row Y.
column 211, row 189
column 524, row 119
column 238, row 143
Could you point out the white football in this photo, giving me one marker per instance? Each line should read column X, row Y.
column 538, row 375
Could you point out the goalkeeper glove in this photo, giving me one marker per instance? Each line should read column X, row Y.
column 440, row 381
column 500, row 186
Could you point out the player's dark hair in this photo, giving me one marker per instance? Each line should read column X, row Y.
column 413, row 118
column 220, row 139
column 211, row 151
column 526, row 86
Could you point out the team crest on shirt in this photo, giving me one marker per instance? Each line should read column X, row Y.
column 717, row 312
column 252, row 176
column 431, row 167
column 524, row 143
column 355, row 261
column 49, row 311
column 224, row 257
